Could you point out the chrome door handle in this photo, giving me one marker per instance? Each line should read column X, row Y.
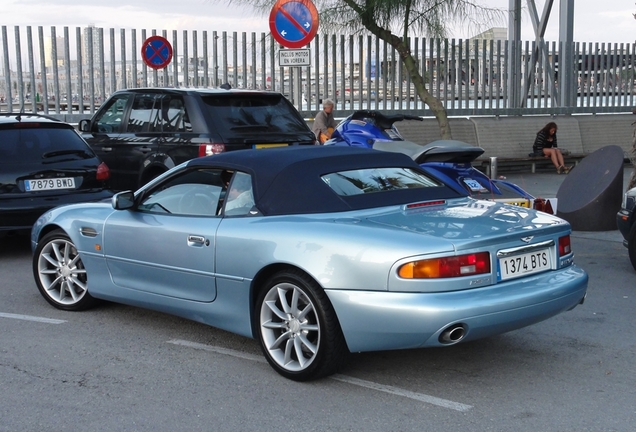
column 197, row 240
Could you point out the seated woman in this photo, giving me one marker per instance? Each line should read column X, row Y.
column 545, row 144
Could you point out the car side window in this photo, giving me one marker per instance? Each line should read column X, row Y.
column 142, row 110
column 239, row 199
column 109, row 120
column 196, row 192
column 171, row 117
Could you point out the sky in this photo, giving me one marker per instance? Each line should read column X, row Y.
column 607, row 21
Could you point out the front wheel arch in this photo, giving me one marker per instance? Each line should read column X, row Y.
column 60, row 274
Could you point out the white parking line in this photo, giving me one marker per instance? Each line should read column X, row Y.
column 219, row 350
column 31, row 318
column 444, row 403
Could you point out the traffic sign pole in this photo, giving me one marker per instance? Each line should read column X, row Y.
column 294, row 24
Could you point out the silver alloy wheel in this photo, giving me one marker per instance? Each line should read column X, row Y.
column 61, row 272
column 290, row 327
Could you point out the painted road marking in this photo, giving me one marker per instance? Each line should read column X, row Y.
column 444, row 403
column 31, row 318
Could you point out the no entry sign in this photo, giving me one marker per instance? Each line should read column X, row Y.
column 156, row 52
column 293, row 23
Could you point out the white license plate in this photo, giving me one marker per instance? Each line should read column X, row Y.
column 524, row 264
column 474, row 185
column 49, row 184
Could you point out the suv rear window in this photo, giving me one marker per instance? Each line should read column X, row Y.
column 34, row 144
column 247, row 115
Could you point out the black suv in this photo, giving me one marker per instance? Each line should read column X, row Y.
column 141, row 133
column 44, row 163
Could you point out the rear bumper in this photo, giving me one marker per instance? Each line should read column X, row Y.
column 373, row 321
column 18, row 214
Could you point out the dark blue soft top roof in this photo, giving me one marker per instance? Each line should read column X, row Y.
column 287, row 180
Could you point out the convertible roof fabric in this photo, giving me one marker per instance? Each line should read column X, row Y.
column 287, row 180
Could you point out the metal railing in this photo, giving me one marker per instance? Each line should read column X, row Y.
column 75, row 73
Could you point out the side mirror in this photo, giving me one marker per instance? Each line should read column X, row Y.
column 84, row 125
column 123, row 200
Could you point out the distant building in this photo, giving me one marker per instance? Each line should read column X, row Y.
column 92, row 45
column 494, row 34
column 54, row 51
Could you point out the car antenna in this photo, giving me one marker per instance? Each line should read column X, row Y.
column 226, row 86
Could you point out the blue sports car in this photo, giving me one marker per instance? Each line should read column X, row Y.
column 314, row 251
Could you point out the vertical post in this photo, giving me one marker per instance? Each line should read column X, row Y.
column 566, row 55
column 514, row 44
column 493, row 167
column 34, row 90
column 45, row 93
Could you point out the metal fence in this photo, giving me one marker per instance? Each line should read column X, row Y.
column 72, row 72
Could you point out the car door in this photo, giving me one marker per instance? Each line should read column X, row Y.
column 105, row 133
column 126, row 140
column 179, row 143
column 166, row 244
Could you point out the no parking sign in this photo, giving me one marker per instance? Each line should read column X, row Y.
column 156, row 52
column 293, row 23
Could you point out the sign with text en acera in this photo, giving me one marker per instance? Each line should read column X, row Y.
column 294, row 57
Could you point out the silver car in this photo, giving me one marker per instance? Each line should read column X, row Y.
column 314, row 251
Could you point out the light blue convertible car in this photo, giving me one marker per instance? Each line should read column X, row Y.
column 316, row 252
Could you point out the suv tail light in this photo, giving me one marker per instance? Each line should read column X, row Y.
column 103, row 172
column 210, row 149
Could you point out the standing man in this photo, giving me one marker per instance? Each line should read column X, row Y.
column 324, row 123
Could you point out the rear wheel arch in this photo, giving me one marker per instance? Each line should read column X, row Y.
column 258, row 284
column 296, row 324
column 151, row 172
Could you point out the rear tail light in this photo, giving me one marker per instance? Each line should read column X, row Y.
column 447, row 267
column 103, row 172
column 564, row 246
column 210, row 149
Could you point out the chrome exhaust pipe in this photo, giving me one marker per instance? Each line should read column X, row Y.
column 452, row 334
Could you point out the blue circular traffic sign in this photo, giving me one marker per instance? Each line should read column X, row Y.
column 156, row 52
column 293, row 23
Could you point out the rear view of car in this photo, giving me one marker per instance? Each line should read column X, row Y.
column 44, row 163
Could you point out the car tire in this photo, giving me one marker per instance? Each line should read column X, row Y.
column 631, row 245
column 60, row 274
column 298, row 329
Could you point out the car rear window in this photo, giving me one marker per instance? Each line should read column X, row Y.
column 253, row 115
column 371, row 180
column 40, row 143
